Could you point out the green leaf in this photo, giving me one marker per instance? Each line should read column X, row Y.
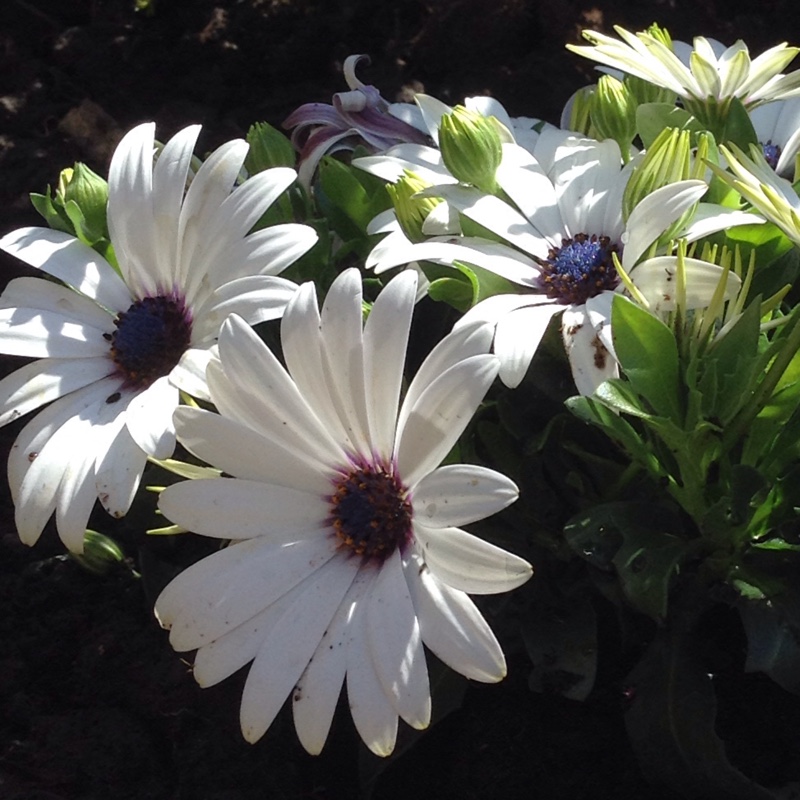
column 773, row 640
column 43, row 203
column 738, row 126
column 653, row 118
column 648, row 354
column 728, row 367
column 671, row 719
column 639, row 541
column 343, row 188
column 456, row 292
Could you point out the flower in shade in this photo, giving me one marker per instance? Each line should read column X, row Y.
column 558, row 233
column 116, row 347
column 358, row 116
column 777, row 127
column 347, row 554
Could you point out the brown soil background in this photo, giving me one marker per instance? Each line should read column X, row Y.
column 93, row 703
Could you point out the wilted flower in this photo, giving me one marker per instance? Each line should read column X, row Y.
column 358, row 116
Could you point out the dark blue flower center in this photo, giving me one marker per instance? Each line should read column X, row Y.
column 772, row 153
column 581, row 268
column 370, row 512
column 150, row 338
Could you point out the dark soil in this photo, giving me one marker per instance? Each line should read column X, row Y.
column 94, row 705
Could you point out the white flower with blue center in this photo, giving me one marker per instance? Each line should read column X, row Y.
column 560, row 233
column 347, row 551
column 115, row 348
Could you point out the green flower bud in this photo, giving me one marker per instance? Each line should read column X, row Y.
column 645, row 92
column 613, row 111
column 471, row 147
column 580, row 115
column 661, row 34
column 411, row 210
column 667, row 160
column 268, row 148
column 100, row 553
column 84, row 196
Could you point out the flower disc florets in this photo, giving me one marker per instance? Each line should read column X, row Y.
column 772, row 154
column 150, row 338
column 370, row 512
column 581, row 268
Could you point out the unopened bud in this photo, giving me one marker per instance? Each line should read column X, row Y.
column 471, row 147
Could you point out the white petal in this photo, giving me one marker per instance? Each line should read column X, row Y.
column 653, row 215
column 385, row 342
column 255, row 299
column 461, row 493
column 468, row 563
column 440, row 415
column 73, row 262
column 317, row 692
column 44, row 334
column 240, row 509
column 149, row 418
column 260, row 393
column 301, row 342
column 230, row 587
column 394, row 641
column 245, row 453
column 170, row 174
column 45, row 380
column 45, row 295
column 289, row 646
column 589, row 359
column 66, row 455
column 461, row 343
column 268, row 251
column 453, row 628
column 131, row 223
column 119, row 471
column 189, row 374
column 373, row 714
column 34, row 437
column 517, row 338
column 209, row 188
column 341, row 336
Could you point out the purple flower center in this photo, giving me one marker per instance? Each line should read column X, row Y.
column 581, row 268
column 370, row 512
column 772, row 153
column 150, row 338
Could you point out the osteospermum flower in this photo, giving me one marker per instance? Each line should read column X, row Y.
column 560, row 233
column 358, row 116
column 709, row 72
column 777, row 127
column 347, row 553
column 115, row 348
column 772, row 195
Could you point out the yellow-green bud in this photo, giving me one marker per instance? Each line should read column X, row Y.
column 83, row 195
column 667, row 160
column 661, row 34
column 411, row 210
column 471, row 147
column 643, row 91
column 268, row 148
column 100, row 553
column 580, row 115
column 613, row 111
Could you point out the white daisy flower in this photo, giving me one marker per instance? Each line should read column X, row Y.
column 115, row 348
column 777, row 126
column 347, row 554
column 562, row 231
column 709, row 72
